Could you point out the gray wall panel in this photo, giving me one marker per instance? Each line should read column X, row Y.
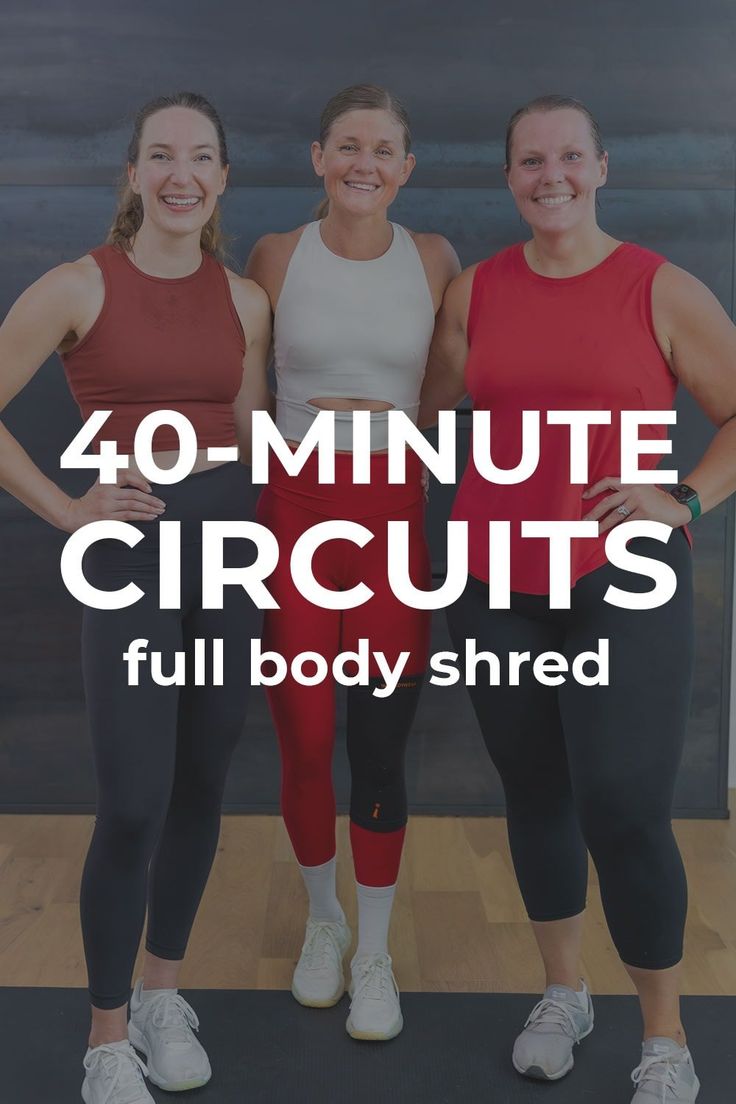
column 647, row 69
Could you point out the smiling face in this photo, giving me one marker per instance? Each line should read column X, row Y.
column 363, row 161
column 178, row 174
column 555, row 170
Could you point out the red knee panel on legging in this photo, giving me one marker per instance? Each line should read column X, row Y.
column 376, row 855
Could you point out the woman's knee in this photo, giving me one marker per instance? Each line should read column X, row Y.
column 307, row 754
column 623, row 825
column 128, row 830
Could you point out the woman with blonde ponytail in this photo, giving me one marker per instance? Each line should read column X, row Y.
column 355, row 298
column 151, row 320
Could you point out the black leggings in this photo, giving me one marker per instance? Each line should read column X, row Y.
column 161, row 752
column 593, row 767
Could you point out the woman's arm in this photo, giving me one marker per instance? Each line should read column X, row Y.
column 269, row 260
column 265, row 270
column 444, row 380
column 44, row 316
column 702, row 340
column 254, row 310
column 440, row 262
column 699, row 342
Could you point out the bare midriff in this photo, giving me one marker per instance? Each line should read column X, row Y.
column 374, row 405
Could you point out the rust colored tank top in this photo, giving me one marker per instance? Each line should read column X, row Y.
column 174, row 344
column 584, row 342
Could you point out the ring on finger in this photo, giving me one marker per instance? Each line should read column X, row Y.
column 623, row 510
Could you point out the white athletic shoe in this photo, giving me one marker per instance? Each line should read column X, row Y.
column 555, row 1025
column 114, row 1075
column 665, row 1075
column 375, row 1012
column 162, row 1027
column 319, row 980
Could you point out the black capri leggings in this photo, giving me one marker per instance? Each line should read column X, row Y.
column 161, row 752
column 594, row 766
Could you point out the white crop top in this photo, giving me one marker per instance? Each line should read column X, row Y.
column 351, row 329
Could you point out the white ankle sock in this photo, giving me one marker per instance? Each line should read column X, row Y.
column 122, row 1044
column 374, row 917
column 320, row 883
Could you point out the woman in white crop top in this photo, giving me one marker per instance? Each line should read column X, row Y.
column 354, row 298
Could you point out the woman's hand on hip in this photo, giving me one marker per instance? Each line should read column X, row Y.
column 633, row 502
column 130, row 499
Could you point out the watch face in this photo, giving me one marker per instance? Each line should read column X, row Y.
column 682, row 493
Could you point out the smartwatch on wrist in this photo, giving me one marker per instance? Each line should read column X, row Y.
column 687, row 497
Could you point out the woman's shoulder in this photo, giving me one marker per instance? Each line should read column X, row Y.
column 430, row 244
column 631, row 249
column 436, row 249
column 499, row 265
column 246, row 293
column 439, row 258
column 70, row 281
column 506, row 255
column 276, row 248
column 269, row 259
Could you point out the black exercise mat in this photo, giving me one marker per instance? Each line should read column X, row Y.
column 267, row 1049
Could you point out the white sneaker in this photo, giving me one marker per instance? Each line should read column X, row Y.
column 666, row 1074
column 562, row 1018
column 375, row 1012
column 319, row 981
column 114, row 1075
column 162, row 1026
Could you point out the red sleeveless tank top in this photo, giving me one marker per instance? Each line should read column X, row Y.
column 583, row 342
column 174, row 344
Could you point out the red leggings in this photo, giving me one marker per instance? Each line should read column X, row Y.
column 377, row 728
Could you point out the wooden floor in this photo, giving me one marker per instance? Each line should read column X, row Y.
column 458, row 925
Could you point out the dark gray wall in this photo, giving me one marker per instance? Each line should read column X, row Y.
column 660, row 77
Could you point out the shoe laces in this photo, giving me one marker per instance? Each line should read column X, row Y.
column 124, row 1068
column 320, row 943
column 171, row 1013
column 658, row 1069
column 374, row 978
column 551, row 1011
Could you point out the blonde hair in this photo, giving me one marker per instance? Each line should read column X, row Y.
column 358, row 97
column 129, row 213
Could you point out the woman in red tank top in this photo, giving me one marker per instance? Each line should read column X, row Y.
column 573, row 320
column 151, row 320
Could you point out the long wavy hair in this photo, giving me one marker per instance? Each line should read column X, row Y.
column 129, row 214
